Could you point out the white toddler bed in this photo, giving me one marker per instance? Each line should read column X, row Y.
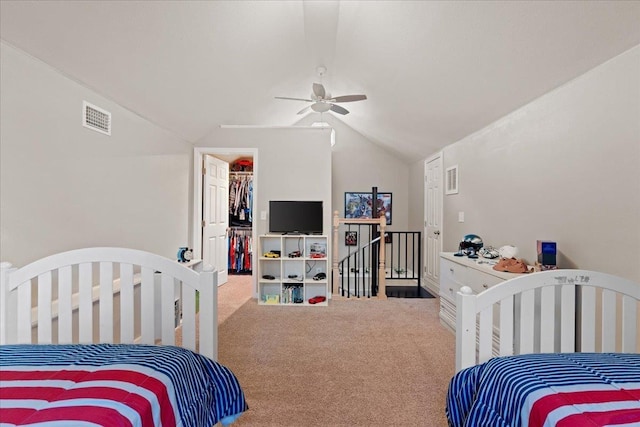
column 143, row 378
column 566, row 342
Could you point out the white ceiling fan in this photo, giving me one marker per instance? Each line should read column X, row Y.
column 322, row 101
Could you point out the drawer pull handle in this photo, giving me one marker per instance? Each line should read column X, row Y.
column 484, row 285
column 451, row 289
column 451, row 270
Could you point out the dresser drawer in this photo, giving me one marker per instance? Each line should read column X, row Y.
column 452, row 273
column 479, row 281
column 449, row 291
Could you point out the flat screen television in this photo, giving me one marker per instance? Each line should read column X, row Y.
column 295, row 216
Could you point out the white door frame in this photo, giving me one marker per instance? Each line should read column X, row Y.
column 198, row 156
column 433, row 287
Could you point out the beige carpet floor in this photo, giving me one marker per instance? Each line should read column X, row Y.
column 353, row 363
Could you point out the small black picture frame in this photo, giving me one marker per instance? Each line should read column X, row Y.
column 351, row 238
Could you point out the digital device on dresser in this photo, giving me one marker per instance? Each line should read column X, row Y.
column 295, row 216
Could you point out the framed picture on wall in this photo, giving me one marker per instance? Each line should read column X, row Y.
column 351, row 238
column 360, row 205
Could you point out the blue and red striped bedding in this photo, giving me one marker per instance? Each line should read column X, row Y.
column 563, row 390
column 115, row 385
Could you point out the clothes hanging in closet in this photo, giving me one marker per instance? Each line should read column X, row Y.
column 240, row 251
column 240, row 200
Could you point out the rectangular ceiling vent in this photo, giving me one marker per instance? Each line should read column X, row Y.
column 96, row 118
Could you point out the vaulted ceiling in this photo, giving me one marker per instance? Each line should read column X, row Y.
column 433, row 71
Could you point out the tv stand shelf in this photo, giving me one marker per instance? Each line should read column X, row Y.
column 292, row 269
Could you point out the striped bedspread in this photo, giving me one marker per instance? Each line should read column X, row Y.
column 563, row 390
column 114, row 385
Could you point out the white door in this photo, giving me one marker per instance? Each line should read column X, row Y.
column 215, row 215
column 433, row 219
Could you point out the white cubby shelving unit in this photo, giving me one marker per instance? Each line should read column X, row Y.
column 295, row 271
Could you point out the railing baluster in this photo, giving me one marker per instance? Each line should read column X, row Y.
column 406, row 252
column 364, row 270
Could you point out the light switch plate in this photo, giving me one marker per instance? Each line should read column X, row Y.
column 263, row 215
column 460, row 216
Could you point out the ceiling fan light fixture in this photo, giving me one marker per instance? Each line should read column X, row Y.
column 322, row 101
column 321, row 107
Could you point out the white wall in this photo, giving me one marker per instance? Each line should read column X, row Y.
column 359, row 164
column 63, row 186
column 564, row 168
column 292, row 164
column 416, row 201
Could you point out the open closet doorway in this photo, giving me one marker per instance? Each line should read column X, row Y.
column 225, row 189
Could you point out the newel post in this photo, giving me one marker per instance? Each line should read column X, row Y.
column 465, row 328
column 8, row 306
column 382, row 287
column 208, row 309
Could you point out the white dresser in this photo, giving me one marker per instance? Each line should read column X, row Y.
column 456, row 272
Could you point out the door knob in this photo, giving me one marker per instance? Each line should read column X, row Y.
column 437, row 232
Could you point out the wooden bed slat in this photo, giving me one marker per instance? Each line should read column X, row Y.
column 608, row 321
column 527, row 309
column 547, row 319
column 629, row 321
column 106, row 302
column 208, row 318
column 65, row 310
column 24, row 313
column 188, row 317
column 127, row 318
column 506, row 326
column 588, row 322
column 485, row 351
column 44, row 308
column 168, row 309
column 147, row 317
column 85, row 303
column 568, row 319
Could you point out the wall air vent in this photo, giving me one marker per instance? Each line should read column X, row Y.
column 451, row 180
column 96, row 118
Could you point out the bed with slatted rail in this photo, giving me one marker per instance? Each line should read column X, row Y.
column 553, row 348
column 90, row 336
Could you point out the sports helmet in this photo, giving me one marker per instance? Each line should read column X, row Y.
column 471, row 241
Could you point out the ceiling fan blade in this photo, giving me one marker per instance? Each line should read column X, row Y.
column 349, row 98
column 318, row 90
column 294, row 99
column 338, row 109
column 305, row 109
